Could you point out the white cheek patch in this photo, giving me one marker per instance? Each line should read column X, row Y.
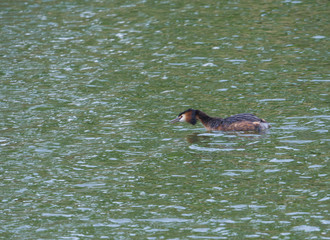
column 183, row 118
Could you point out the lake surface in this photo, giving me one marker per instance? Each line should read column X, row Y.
column 87, row 92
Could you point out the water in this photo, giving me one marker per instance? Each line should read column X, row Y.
column 87, row 93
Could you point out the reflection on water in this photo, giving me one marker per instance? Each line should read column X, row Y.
column 88, row 89
column 219, row 141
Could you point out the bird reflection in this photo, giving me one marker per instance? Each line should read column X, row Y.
column 198, row 137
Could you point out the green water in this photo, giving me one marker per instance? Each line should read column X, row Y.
column 87, row 92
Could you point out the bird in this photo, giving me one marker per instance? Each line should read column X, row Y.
column 238, row 122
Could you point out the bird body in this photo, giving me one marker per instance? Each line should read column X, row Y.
column 238, row 122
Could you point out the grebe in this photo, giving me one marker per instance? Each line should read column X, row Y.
column 238, row 122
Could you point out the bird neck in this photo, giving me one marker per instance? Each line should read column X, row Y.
column 208, row 122
column 203, row 117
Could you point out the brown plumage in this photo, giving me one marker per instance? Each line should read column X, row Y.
column 238, row 122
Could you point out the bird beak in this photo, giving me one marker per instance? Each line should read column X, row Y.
column 175, row 120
